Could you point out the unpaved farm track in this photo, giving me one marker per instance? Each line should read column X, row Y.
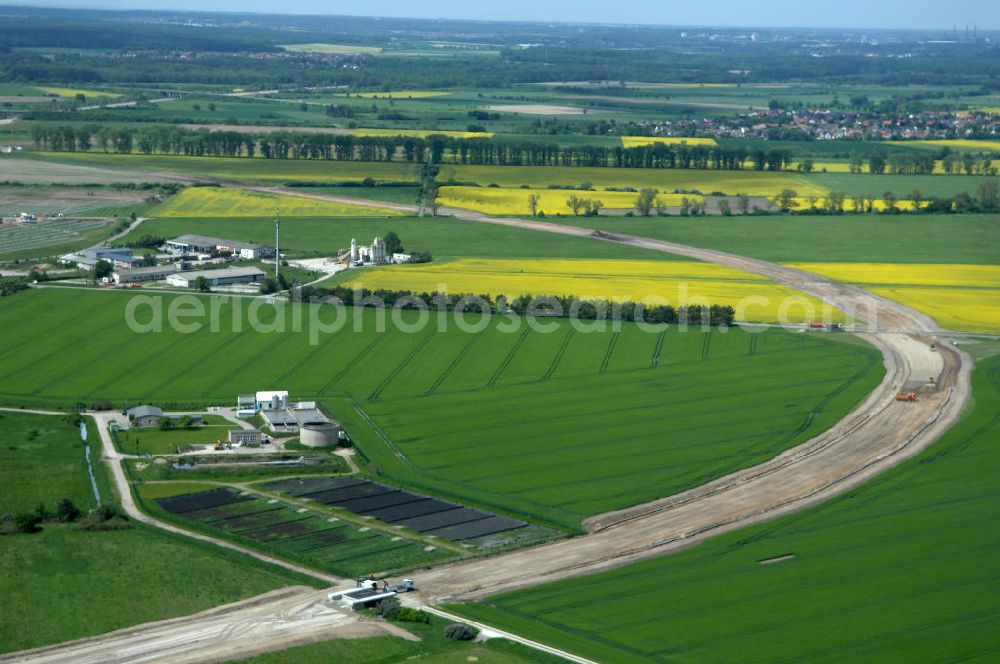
column 875, row 436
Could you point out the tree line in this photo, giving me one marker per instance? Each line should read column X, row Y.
column 443, row 149
column 545, row 306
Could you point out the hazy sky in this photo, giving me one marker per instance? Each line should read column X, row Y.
column 777, row 13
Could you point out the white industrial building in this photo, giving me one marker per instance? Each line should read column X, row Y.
column 271, row 400
column 136, row 275
column 203, row 244
column 373, row 253
column 221, row 277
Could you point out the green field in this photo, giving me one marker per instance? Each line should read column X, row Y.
column 444, row 237
column 155, row 441
column 596, row 405
column 43, row 460
column 51, row 581
column 901, row 569
column 932, row 238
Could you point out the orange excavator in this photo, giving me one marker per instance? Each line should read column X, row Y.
column 906, row 396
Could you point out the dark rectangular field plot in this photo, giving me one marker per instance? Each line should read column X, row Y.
column 278, row 531
column 306, row 486
column 199, row 501
column 487, row 526
column 363, row 505
column 219, row 516
column 350, row 493
column 274, row 517
column 442, row 519
column 411, row 510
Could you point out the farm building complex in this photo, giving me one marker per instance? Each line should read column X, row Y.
column 200, row 244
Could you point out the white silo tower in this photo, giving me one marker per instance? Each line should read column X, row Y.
column 354, row 250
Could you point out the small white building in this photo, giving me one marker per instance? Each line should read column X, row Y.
column 272, row 400
column 245, row 437
column 246, row 405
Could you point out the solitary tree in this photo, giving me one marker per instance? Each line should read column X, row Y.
column 393, row 245
column 533, row 201
column 644, row 203
column 785, row 199
column 744, row 203
column 575, row 203
column 988, row 196
column 202, row 284
column 102, row 270
column 66, row 511
column 889, row 200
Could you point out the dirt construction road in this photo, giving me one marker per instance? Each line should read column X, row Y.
column 277, row 620
column 878, row 434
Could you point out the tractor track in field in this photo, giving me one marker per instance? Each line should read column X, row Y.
column 875, row 436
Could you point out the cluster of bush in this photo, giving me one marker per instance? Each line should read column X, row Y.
column 391, row 610
column 105, row 517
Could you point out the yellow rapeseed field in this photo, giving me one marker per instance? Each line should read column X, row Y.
column 494, row 200
column 958, row 143
column 223, row 202
column 664, row 282
column 960, row 297
column 750, row 182
column 879, row 204
column 421, row 133
column 72, row 92
column 640, row 141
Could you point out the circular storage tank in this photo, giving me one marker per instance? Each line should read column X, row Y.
column 320, row 435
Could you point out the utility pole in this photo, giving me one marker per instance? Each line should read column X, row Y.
column 277, row 241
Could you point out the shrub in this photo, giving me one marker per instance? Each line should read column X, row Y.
column 66, row 511
column 460, row 632
column 27, row 523
column 406, row 614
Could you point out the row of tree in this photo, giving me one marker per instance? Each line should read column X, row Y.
column 439, row 148
column 548, row 306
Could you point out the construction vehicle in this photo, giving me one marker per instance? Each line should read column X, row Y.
column 906, row 396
